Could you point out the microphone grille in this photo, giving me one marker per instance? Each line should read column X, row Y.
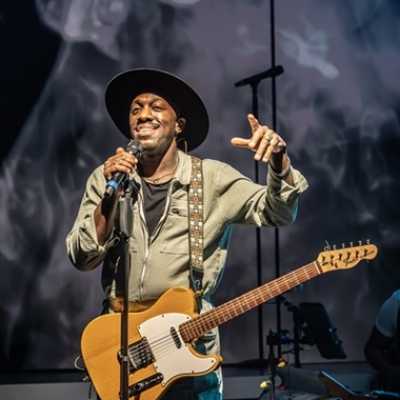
column 134, row 148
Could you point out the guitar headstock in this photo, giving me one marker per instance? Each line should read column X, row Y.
column 346, row 257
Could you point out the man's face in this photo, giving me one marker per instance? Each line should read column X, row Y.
column 153, row 122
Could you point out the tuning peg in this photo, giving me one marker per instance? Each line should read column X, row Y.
column 343, row 246
column 351, row 244
column 334, row 247
column 368, row 241
column 327, row 245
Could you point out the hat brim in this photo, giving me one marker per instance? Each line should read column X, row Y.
column 123, row 88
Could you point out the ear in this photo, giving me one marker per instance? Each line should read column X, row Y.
column 180, row 125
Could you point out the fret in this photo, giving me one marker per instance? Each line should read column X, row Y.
column 242, row 309
column 296, row 280
column 197, row 329
column 286, row 283
column 229, row 312
column 276, row 288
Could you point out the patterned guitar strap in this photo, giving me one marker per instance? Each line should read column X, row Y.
column 196, row 237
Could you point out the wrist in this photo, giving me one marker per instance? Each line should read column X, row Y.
column 284, row 170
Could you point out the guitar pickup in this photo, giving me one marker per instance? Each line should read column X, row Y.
column 175, row 337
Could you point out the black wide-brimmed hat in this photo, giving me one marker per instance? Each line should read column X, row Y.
column 123, row 88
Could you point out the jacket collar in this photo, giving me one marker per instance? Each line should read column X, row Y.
column 183, row 171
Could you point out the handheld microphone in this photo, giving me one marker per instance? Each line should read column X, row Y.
column 119, row 178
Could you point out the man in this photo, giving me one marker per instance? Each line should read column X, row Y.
column 165, row 116
column 383, row 346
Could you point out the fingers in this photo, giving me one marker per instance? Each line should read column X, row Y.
column 121, row 161
column 240, row 142
column 276, row 145
column 266, row 155
column 259, row 138
column 263, row 147
column 264, row 141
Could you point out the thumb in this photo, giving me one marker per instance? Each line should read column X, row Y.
column 240, row 142
column 253, row 121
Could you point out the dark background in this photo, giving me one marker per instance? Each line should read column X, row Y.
column 338, row 109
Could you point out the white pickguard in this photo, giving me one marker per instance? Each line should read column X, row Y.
column 170, row 360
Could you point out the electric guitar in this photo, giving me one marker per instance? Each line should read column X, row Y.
column 161, row 338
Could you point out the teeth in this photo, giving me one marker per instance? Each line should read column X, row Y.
column 147, row 128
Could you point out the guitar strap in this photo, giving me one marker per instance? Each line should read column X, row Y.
column 196, row 236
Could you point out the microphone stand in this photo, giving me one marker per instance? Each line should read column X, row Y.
column 254, row 81
column 131, row 191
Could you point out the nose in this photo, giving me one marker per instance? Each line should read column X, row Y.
column 145, row 114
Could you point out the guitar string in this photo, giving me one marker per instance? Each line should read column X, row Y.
column 303, row 274
column 158, row 343
column 293, row 278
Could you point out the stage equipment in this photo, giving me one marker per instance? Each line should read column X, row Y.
column 339, row 390
column 312, row 326
column 319, row 328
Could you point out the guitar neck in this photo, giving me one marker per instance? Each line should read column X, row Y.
column 203, row 323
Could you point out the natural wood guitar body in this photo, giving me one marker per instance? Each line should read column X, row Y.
column 100, row 345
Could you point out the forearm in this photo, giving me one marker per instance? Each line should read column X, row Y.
column 104, row 217
column 92, row 223
column 243, row 201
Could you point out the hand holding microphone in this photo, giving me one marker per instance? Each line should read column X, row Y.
column 118, row 167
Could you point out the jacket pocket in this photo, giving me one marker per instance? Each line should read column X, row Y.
column 176, row 239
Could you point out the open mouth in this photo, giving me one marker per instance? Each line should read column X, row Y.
column 145, row 129
column 144, row 132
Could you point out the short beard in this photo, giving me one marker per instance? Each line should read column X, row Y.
column 159, row 151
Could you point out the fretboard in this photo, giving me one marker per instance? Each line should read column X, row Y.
column 203, row 323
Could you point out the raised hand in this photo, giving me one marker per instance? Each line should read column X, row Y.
column 264, row 141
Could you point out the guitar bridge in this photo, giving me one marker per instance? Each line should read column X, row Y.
column 139, row 355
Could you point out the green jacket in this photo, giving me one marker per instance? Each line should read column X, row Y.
column 161, row 261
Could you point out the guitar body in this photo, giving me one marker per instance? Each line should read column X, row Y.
column 158, row 354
